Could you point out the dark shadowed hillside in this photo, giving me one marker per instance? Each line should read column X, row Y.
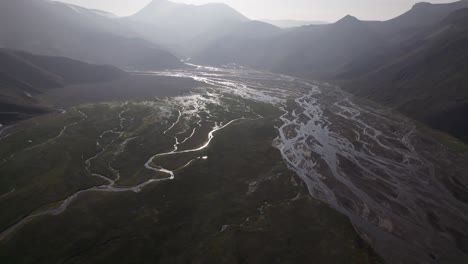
column 401, row 35
column 44, row 72
column 429, row 82
column 24, row 76
column 422, row 15
column 57, row 29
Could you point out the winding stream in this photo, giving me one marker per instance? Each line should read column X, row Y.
column 111, row 184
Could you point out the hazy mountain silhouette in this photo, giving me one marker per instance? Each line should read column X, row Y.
column 176, row 25
column 242, row 45
column 24, row 75
column 345, row 49
column 325, row 50
column 177, row 14
column 57, row 29
column 314, row 51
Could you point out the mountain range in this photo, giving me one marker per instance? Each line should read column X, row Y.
column 333, row 50
column 56, row 29
column 414, row 63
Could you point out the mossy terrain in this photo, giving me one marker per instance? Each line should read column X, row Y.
column 240, row 205
column 453, row 144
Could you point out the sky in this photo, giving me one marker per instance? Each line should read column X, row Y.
column 317, row 10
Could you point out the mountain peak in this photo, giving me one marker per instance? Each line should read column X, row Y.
column 165, row 11
column 348, row 19
column 421, row 5
column 157, row 4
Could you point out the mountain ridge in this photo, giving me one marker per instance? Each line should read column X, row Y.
column 23, row 76
column 58, row 29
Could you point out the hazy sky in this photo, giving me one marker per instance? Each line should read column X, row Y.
column 326, row 10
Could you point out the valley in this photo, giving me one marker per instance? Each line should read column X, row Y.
column 352, row 155
column 187, row 132
column 144, row 171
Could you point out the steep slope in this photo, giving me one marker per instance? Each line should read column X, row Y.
column 400, row 34
column 57, row 29
column 421, row 15
column 176, row 24
column 430, row 82
column 24, row 75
